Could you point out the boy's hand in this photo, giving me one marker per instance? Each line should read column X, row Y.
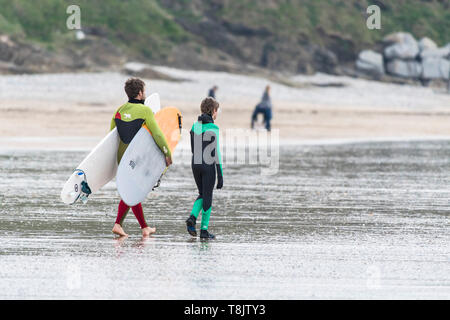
column 168, row 161
column 219, row 182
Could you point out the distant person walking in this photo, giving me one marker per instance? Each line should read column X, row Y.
column 264, row 107
column 212, row 92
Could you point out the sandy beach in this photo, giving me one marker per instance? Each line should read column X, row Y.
column 67, row 111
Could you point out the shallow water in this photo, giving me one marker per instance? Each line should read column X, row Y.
column 363, row 220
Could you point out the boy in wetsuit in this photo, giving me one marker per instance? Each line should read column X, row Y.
column 206, row 161
column 128, row 119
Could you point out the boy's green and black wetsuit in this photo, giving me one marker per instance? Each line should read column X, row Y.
column 206, row 162
column 129, row 119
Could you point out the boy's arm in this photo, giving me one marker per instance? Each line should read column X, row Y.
column 218, row 161
column 157, row 134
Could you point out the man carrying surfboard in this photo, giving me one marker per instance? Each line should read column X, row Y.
column 206, row 160
column 128, row 119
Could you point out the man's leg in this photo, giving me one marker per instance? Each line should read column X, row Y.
column 267, row 117
column 121, row 214
column 139, row 214
column 254, row 117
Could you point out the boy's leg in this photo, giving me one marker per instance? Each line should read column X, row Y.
column 197, row 207
column 208, row 182
column 197, row 172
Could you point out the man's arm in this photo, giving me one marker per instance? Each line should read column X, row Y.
column 113, row 124
column 157, row 134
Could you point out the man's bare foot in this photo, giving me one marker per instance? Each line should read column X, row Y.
column 148, row 231
column 119, row 230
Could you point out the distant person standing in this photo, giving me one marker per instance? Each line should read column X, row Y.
column 264, row 107
column 212, row 92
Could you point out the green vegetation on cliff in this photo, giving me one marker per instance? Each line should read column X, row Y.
column 153, row 28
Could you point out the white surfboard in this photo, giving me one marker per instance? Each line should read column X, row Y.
column 153, row 102
column 96, row 170
column 100, row 165
column 143, row 163
column 140, row 168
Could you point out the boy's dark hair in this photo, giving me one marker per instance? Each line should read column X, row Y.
column 209, row 105
column 133, row 86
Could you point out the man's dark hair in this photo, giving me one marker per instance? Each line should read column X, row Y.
column 209, row 105
column 133, row 86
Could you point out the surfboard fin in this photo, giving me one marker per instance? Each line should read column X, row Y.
column 85, row 192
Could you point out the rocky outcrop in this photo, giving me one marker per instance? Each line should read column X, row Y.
column 405, row 57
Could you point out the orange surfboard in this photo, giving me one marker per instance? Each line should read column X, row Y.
column 170, row 121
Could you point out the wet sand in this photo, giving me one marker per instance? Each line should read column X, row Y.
column 358, row 220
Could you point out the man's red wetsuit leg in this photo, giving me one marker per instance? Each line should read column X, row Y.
column 121, row 212
column 139, row 213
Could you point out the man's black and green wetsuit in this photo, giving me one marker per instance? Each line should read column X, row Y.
column 129, row 118
column 206, row 162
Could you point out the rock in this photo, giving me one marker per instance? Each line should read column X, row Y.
column 401, row 51
column 443, row 52
column 405, row 69
column 400, row 45
column 80, row 35
column 399, row 37
column 404, row 47
column 435, row 68
column 325, row 60
column 426, row 43
column 370, row 62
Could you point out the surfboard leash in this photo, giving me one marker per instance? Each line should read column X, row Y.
column 159, row 180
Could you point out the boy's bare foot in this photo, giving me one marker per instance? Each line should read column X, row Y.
column 119, row 230
column 148, row 231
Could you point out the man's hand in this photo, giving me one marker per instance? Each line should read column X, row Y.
column 168, row 161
